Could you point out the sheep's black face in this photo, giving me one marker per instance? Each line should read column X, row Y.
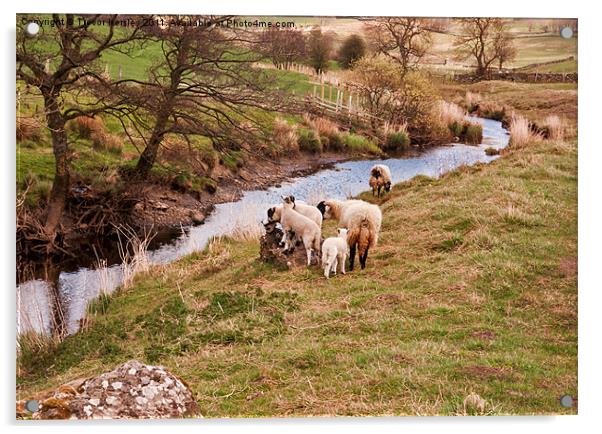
column 388, row 187
column 271, row 212
column 322, row 207
column 376, row 173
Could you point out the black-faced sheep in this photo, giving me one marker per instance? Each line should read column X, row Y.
column 334, row 252
column 311, row 212
column 380, row 178
column 302, row 227
column 363, row 221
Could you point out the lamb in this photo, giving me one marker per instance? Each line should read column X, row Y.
column 301, row 226
column 363, row 221
column 311, row 212
column 380, row 176
column 334, row 252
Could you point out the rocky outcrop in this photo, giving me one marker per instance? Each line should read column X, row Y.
column 131, row 391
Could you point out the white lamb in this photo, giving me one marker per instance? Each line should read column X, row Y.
column 363, row 221
column 334, row 252
column 380, row 177
column 305, row 229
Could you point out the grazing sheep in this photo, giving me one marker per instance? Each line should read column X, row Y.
column 334, row 252
column 362, row 220
column 298, row 225
column 380, row 177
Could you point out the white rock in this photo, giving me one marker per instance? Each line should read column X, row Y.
column 94, row 401
column 117, row 385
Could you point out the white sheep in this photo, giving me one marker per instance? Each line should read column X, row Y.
column 380, row 177
column 294, row 223
column 334, row 252
column 311, row 212
column 363, row 221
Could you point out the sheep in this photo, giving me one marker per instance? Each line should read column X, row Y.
column 301, row 226
column 334, row 252
column 363, row 221
column 311, row 212
column 380, row 176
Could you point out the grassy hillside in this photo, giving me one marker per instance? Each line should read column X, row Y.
column 471, row 289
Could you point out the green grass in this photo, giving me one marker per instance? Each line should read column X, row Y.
column 472, row 288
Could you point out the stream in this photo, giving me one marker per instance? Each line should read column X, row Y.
column 44, row 307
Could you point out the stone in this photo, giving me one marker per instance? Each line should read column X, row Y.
column 131, row 395
column 197, row 217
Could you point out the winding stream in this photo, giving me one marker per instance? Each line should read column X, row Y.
column 41, row 304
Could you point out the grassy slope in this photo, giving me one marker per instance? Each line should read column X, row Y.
column 471, row 289
column 533, row 100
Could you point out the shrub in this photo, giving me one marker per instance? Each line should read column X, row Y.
column 554, row 127
column 398, row 141
column 473, row 134
column 86, row 127
column 457, row 128
column 285, row 136
column 521, row 132
column 29, row 129
column 393, row 96
column 397, row 138
column 309, row 141
column 492, row 151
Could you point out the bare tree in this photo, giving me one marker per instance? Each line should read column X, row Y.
column 282, row 46
column 504, row 48
column 203, row 84
column 405, row 40
column 62, row 59
column 483, row 40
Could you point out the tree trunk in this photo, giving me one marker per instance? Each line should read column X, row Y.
column 60, row 147
column 149, row 155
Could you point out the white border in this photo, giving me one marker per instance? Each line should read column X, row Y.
column 590, row 239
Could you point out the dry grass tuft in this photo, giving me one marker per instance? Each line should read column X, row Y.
column 324, row 126
column 86, row 127
column 133, row 250
column 555, row 127
column 29, row 129
column 471, row 98
column 285, row 135
column 521, row 132
column 448, row 112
